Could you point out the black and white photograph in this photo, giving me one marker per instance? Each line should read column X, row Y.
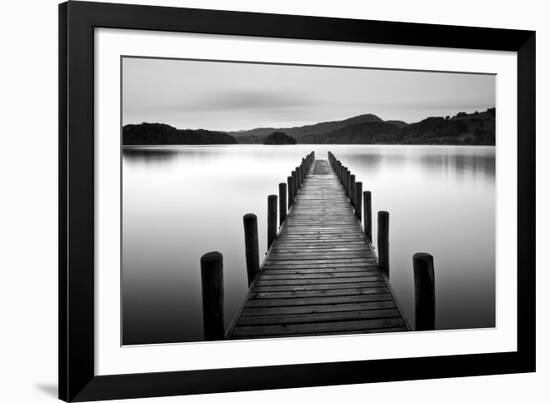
column 264, row 200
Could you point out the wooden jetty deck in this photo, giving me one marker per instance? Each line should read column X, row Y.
column 320, row 275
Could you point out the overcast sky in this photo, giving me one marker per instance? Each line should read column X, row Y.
column 232, row 96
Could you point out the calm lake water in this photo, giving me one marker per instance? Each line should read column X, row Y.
column 180, row 202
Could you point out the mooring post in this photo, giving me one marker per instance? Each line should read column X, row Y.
column 212, row 295
column 383, row 242
column 358, row 198
column 290, row 182
column 352, row 190
column 367, row 220
column 271, row 219
column 251, row 247
column 424, row 291
column 295, row 184
column 282, row 203
column 346, row 181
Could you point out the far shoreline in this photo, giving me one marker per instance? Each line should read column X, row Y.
column 325, row 145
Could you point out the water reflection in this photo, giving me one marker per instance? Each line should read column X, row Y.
column 180, row 202
column 149, row 155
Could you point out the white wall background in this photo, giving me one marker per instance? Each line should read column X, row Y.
column 28, row 198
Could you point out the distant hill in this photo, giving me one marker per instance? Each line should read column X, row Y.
column 158, row 133
column 476, row 128
column 398, row 123
column 279, row 138
column 259, row 135
column 359, row 133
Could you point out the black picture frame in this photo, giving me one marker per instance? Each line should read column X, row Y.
column 77, row 379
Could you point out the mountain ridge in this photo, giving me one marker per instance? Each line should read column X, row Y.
column 476, row 128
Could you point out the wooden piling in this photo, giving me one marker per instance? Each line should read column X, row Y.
column 383, row 242
column 424, row 291
column 295, row 183
column 282, row 203
column 271, row 219
column 212, row 295
column 352, row 190
column 367, row 216
column 252, row 252
column 290, row 183
column 358, row 199
column 346, row 180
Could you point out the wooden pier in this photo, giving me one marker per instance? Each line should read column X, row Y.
column 321, row 274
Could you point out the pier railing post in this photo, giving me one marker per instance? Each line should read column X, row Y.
column 252, row 252
column 367, row 219
column 295, row 182
column 212, row 295
column 352, row 190
column 424, row 291
column 346, row 180
column 383, row 242
column 290, row 182
column 358, row 199
column 282, row 203
column 271, row 219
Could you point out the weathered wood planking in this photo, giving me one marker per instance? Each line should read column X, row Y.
column 321, row 275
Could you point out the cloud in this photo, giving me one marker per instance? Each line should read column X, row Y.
column 238, row 100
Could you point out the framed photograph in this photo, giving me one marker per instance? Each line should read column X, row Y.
column 257, row 201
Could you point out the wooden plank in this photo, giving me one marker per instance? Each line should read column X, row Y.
column 285, row 270
column 318, row 261
column 328, row 334
column 313, row 287
column 341, row 280
column 366, row 324
column 317, row 317
column 317, row 293
column 358, row 276
column 332, row 265
column 309, row 309
column 318, row 300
